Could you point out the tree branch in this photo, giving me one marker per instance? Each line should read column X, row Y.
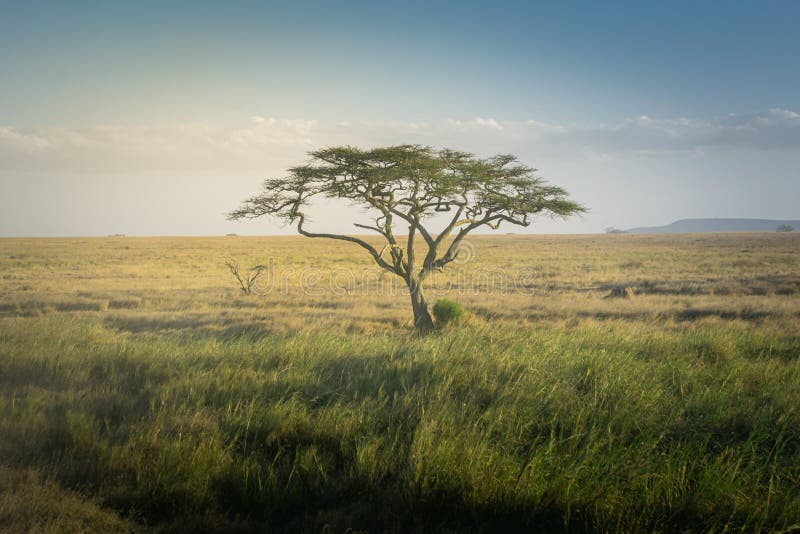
column 373, row 228
column 363, row 244
column 433, row 248
column 453, row 249
column 410, row 220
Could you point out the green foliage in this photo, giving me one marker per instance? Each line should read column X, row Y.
column 590, row 428
column 447, row 311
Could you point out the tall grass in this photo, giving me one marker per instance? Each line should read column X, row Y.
column 139, row 391
column 592, row 428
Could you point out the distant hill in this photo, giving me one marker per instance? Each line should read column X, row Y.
column 691, row 226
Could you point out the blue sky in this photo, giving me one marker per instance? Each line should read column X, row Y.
column 680, row 108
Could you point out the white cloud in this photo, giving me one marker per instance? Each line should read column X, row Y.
column 491, row 123
column 168, row 147
column 259, row 141
column 773, row 129
column 28, row 142
column 470, row 124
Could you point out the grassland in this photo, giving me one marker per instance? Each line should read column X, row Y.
column 140, row 390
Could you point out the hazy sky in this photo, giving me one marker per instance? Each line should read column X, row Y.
column 150, row 118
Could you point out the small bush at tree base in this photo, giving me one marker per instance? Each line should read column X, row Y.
column 447, row 311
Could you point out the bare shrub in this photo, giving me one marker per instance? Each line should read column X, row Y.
column 246, row 282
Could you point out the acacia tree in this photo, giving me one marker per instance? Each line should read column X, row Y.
column 408, row 185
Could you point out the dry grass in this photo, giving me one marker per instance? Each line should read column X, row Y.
column 183, row 282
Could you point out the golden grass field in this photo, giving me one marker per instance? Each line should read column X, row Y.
column 140, row 389
column 183, row 284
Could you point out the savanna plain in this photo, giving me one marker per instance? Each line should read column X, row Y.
column 598, row 383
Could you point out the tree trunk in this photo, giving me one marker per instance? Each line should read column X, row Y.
column 422, row 318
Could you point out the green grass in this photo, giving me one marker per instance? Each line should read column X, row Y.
column 140, row 391
column 589, row 428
